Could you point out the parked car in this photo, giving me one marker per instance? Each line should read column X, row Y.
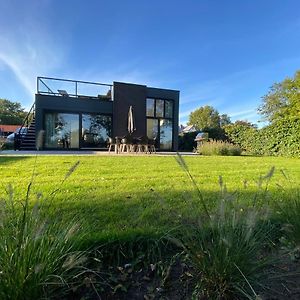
column 11, row 138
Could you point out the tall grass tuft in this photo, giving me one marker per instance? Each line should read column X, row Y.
column 225, row 249
column 37, row 254
column 214, row 147
column 289, row 216
column 225, row 253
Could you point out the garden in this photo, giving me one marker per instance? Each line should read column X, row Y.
column 149, row 227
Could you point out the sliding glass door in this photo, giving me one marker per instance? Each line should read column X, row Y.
column 74, row 131
column 95, row 130
column 61, row 130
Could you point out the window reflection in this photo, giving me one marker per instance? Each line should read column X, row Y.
column 152, row 128
column 168, row 109
column 61, row 130
column 95, row 130
column 150, row 107
column 159, row 108
column 166, row 133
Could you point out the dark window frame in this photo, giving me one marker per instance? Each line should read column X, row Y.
column 164, row 108
column 93, row 114
column 45, row 111
column 164, row 117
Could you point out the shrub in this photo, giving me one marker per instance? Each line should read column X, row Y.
column 186, row 141
column 219, row 148
column 281, row 138
column 4, row 145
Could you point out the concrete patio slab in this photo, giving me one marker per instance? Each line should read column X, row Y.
column 85, row 153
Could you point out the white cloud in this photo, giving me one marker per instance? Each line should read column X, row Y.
column 242, row 113
column 28, row 50
column 27, row 58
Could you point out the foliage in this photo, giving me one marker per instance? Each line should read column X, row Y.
column 288, row 215
column 224, row 120
column 208, row 119
column 280, row 138
column 11, row 113
column 214, row 147
column 216, row 133
column 283, row 100
column 186, row 141
column 204, row 117
column 225, row 245
column 37, row 254
column 244, row 134
column 224, row 252
column 2, row 141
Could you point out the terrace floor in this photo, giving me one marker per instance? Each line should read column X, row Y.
column 85, row 152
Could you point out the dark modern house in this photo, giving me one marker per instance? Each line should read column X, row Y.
column 82, row 115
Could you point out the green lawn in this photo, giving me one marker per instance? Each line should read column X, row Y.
column 119, row 196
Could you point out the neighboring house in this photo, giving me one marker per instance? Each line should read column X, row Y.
column 6, row 130
column 187, row 129
column 82, row 115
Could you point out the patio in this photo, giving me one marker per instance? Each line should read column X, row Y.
column 87, row 152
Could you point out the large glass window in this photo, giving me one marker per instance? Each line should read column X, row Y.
column 168, row 109
column 159, row 108
column 61, row 130
column 160, row 122
column 95, row 130
column 150, row 107
column 166, row 134
column 152, row 128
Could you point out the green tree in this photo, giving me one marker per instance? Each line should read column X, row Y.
column 11, row 113
column 208, row 119
column 204, row 118
column 244, row 134
column 283, row 100
column 224, row 120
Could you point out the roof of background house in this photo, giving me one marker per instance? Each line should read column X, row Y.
column 189, row 128
column 9, row 128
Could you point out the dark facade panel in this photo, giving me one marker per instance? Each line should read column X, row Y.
column 124, row 96
column 45, row 103
column 168, row 95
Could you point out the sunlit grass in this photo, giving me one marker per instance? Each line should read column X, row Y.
column 120, row 196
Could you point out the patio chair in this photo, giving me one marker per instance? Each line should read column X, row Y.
column 151, row 145
column 113, row 145
column 142, row 145
column 126, row 144
column 118, row 144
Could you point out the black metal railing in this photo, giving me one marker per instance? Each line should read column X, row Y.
column 22, row 131
column 73, row 88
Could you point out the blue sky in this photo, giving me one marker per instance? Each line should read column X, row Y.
column 221, row 53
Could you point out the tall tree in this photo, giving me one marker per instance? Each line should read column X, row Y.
column 11, row 113
column 224, row 120
column 283, row 100
column 204, row 118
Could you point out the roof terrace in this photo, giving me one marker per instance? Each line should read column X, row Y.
column 73, row 88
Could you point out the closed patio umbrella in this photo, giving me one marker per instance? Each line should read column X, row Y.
column 131, row 127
